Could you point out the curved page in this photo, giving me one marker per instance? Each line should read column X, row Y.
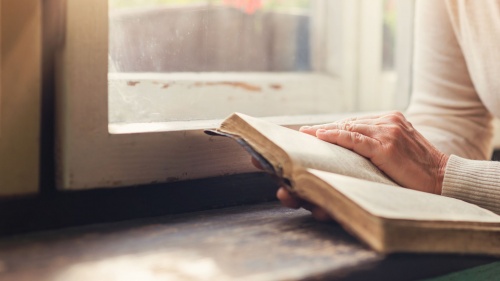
column 393, row 202
column 310, row 152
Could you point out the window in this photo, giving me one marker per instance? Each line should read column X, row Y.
column 126, row 117
column 237, row 54
column 19, row 96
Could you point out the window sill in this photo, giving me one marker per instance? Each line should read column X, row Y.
column 163, row 97
column 258, row 242
column 59, row 209
column 157, row 127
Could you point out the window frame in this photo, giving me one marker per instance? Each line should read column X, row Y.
column 20, row 87
column 326, row 82
column 176, row 96
column 89, row 156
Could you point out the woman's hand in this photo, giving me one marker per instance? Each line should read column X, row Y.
column 291, row 201
column 391, row 143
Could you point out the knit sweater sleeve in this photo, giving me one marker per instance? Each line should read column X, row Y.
column 474, row 181
column 446, row 108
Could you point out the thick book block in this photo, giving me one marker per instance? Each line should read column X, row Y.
column 387, row 217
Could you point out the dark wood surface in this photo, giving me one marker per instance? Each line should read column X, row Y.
column 256, row 242
column 53, row 210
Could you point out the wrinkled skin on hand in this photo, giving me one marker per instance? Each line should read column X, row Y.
column 391, row 143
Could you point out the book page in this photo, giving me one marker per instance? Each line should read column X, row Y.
column 311, row 152
column 400, row 203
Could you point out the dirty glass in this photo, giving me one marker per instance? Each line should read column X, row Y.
column 209, row 35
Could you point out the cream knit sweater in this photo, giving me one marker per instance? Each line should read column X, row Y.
column 456, row 92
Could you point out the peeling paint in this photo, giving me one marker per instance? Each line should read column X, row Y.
column 275, row 86
column 132, row 83
column 242, row 85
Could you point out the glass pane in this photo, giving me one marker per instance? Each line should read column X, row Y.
column 388, row 74
column 389, row 35
column 184, row 60
column 209, row 35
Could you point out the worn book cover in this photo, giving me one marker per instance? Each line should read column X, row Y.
column 367, row 203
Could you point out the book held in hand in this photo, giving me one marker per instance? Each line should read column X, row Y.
column 367, row 203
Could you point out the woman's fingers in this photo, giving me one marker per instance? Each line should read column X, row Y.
column 290, row 201
column 355, row 141
column 394, row 146
column 340, row 124
column 287, row 199
column 319, row 214
column 391, row 143
column 375, row 119
column 310, row 130
column 257, row 164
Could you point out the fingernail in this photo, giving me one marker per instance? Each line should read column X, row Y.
column 320, row 131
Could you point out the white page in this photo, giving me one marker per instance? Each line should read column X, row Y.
column 311, row 152
column 400, row 203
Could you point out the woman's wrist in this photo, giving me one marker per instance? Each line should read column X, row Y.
column 443, row 161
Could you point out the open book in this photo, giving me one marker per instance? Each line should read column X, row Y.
column 361, row 198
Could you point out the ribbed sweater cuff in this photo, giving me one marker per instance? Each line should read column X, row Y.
column 474, row 181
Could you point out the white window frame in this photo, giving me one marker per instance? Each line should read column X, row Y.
column 20, row 81
column 174, row 95
column 89, row 156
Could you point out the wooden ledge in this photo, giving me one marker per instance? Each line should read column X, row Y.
column 258, row 242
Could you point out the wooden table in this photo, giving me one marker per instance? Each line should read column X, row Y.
column 257, row 242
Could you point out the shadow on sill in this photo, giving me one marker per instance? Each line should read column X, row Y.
column 56, row 209
column 253, row 242
column 72, row 208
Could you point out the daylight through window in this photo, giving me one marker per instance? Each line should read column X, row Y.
column 179, row 60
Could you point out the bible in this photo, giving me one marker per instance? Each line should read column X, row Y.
column 364, row 201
